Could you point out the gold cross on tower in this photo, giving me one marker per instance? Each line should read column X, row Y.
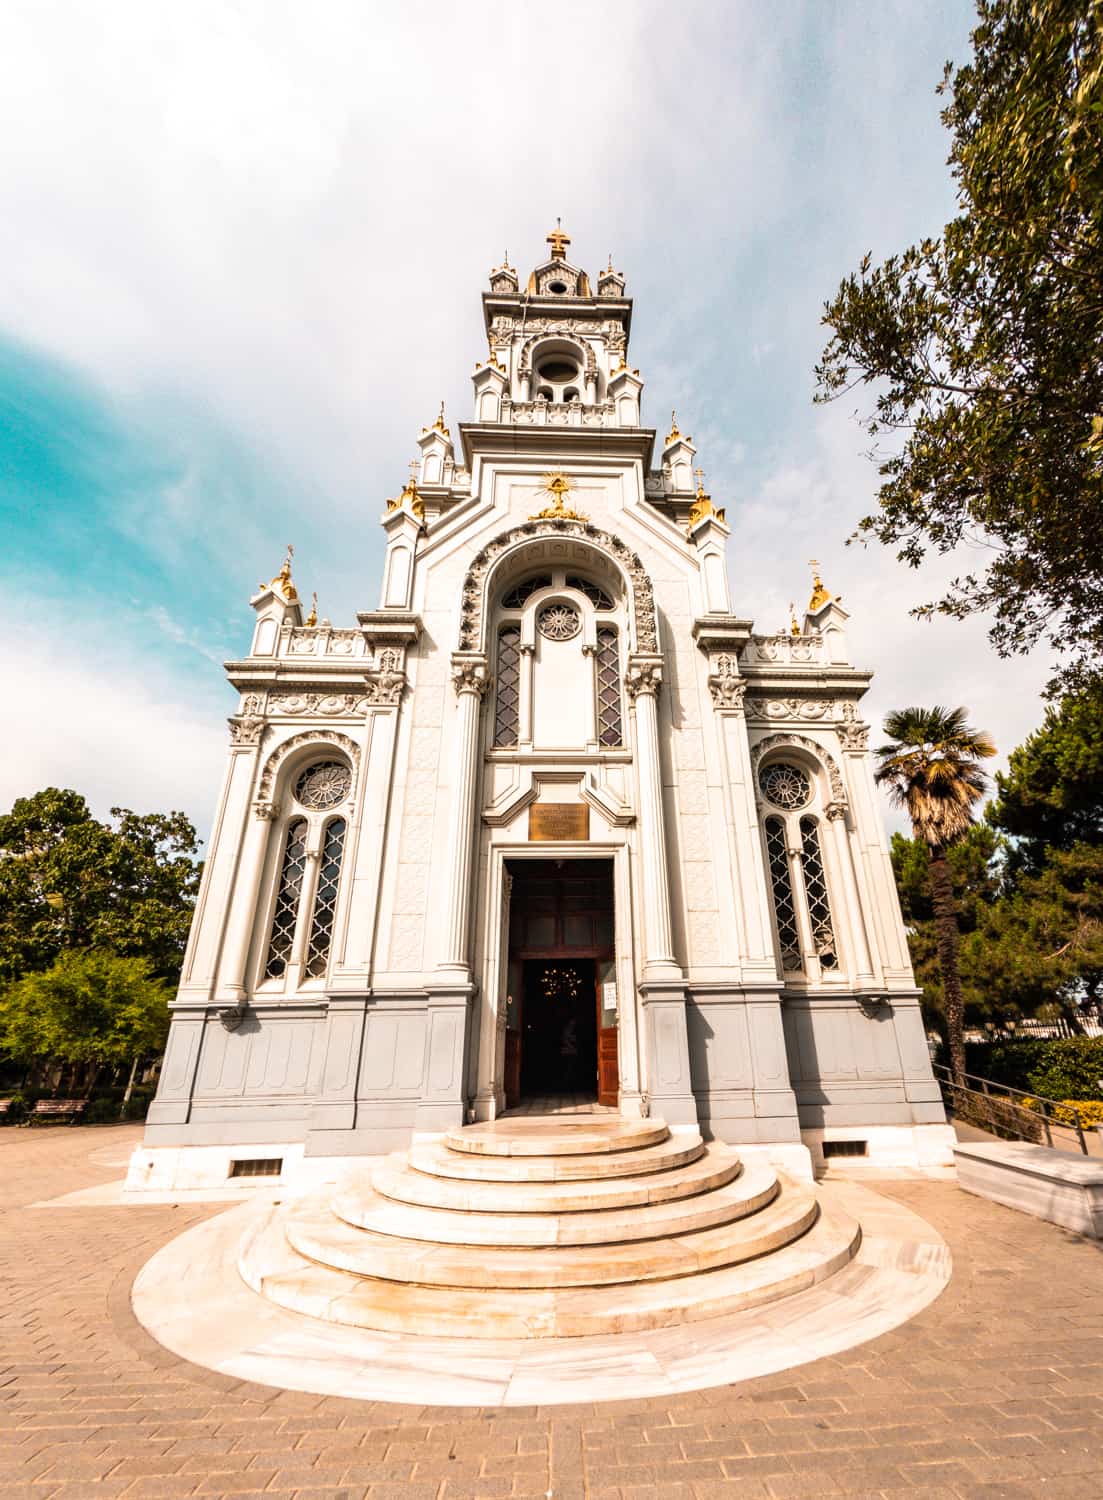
column 558, row 242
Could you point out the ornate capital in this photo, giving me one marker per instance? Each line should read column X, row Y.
column 644, row 677
column 727, row 692
column 835, row 811
column 266, row 811
column 245, row 730
column 384, row 688
column 469, row 674
column 854, row 736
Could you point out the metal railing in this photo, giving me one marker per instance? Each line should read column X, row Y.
column 995, row 1107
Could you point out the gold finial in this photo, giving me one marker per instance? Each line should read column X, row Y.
column 558, row 242
column 409, row 496
column 794, row 628
column 674, row 436
column 702, row 504
column 438, row 425
column 282, row 581
column 820, row 594
column 609, row 268
column 312, row 617
column 557, row 485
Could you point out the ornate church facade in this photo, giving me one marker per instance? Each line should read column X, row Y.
column 553, row 823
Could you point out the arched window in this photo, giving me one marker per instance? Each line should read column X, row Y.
column 798, row 882
column 309, row 875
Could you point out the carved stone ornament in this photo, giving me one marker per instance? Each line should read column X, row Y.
column 727, row 692
column 232, row 1016
column 319, row 737
column 789, row 708
column 643, row 678
column 774, row 741
column 469, row 675
column 266, row 811
column 385, row 688
column 834, row 811
column 853, row 732
column 318, row 705
column 246, row 731
column 476, row 585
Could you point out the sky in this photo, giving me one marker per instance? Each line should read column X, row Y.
column 241, row 252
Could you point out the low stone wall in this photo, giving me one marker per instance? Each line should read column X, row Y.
column 1059, row 1186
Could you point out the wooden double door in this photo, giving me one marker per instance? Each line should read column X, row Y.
column 562, row 1009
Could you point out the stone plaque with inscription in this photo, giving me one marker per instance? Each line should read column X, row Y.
column 559, row 820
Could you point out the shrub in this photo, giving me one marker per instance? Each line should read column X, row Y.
column 1089, row 1110
column 1000, row 1116
column 16, row 1110
column 1057, row 1067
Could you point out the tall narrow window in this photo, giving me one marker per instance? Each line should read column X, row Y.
column 815, row 886
column 325, row 902
column 784, row 909
column 287, row 900
column 507, row 703
column 610, row 729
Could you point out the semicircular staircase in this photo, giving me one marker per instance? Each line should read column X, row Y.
column 544, row 1228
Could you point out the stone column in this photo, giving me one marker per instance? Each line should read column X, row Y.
column 450, row 994
column 662, row 988
column 470, row 679
column 243, row 906
column 836, row 816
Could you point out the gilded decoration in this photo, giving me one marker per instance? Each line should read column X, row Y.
column 702, row 506
column 557, row 485
column 820, row 594
column 640, row 593
column 282, row 584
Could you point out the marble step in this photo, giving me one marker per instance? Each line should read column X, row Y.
column 436, row 1160
column 716, row 1166
column 317, row 1234
column 543, row 1135
column 369, row 1210
column 272, row 1268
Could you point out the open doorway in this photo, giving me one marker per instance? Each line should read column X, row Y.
column 562, row 1010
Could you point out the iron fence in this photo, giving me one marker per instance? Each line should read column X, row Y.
column 996, row 1107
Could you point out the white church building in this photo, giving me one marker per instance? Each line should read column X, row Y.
column 552, row 827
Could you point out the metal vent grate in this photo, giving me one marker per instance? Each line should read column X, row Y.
column 846, row 1148
column 259, row 1166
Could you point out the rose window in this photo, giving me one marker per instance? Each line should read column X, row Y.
column 785, row 786
column 324, row 785
column 559, row 622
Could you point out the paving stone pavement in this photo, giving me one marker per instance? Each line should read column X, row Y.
column 996, row 1390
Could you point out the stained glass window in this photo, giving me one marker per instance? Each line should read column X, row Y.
column 597, row 596
column 287, row 900
column 784, row 909
column 324, row 785
column 610, row 729
column 521, row 593
column 507, row 703
column 325, row 901
column 785, row 785
column 815, row 886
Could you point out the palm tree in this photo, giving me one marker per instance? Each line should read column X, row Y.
column 931, row 769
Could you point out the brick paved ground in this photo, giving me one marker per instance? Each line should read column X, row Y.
column 996, row 1390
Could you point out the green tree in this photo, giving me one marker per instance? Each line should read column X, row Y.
column 931, row 769
column 1051, row 796
column 88, row 1010
column 68, row 881
column 983, row 347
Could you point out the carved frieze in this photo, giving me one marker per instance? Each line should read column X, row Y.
column 789, row 708
column 785, row 648
column 319, row 705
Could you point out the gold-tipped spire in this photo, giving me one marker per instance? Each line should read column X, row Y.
column 702, row 504
column 312, row 617
column 794, row 627
column 558, row 242
column 674, row 436
column 438, row 425
column 557, row 485
column 609, row 268
column 282, row 581
column 820, row 594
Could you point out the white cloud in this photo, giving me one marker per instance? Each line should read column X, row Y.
column 82, row 712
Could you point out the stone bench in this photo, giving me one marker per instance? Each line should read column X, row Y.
column 1062, row 1187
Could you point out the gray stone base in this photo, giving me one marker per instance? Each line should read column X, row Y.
column 1062, row 1187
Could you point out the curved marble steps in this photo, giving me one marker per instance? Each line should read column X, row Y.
column 321, row 1237
column 715, row 1167
column 447, row 1226
column 272, row 1268
column 436, row 1160
column 532, row 1137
